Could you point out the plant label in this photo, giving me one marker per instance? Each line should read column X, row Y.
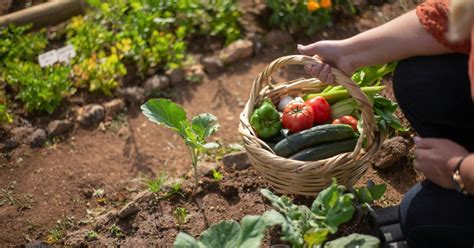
column 48, row 58
column 65, row 53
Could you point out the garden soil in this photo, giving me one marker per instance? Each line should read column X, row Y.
column 60, row 189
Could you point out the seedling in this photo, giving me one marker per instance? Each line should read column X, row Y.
column 154, row 185
column 91, row 235
column 194, row 133
column 116, row 231
column 217, row 175
column 180, row 215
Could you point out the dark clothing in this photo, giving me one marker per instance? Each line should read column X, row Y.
column 434, row 94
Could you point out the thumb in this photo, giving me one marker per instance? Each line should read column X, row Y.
column 309, row 50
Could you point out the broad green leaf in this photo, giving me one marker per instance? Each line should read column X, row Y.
column 316, row 237
column 184, row 240
column 253, row 228
column 354, row 240
column 223, row 234
column 377, row 191
column 335, row 205
column 167, row 113
column 204, row 125
column 364, row 195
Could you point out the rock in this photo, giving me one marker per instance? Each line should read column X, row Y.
column 212, row 64
column 204, row 169
column 237, row 50
column 58, row 127
column 195, row 73
column 176, row 76
column 20, row 134
column 155, row 84
column 113, row 107
column 277, row 37
column 133, row 94
column 37, row 138
column 127, row 210
column 392, row 150
column 91, row 114
column 10, row 144
column 103, row 219
column 236, row 161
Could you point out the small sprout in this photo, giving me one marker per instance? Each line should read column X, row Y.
column 180, row 215
column 91, row 235
column 216, row 175
column 55, row 235
column 98, row 193
column 116, row 231
column 154, row 185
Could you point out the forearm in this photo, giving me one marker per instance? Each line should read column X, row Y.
column 398, row 39
column 467, row 173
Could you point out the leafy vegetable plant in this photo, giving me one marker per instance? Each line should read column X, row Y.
column 194, row 132
column 303, row 225
column 229, row 233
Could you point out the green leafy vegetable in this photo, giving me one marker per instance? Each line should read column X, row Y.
column 354, row 240
column 194, row 133
column 229, row 233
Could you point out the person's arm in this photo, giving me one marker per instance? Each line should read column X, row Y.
column 400, row 38
column 466, row 171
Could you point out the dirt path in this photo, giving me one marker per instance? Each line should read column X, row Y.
column 40, row 187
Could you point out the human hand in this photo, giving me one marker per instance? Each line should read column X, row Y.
column 434, row 158
column 328, row 51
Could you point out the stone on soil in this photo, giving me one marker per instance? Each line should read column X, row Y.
column 133, row 94
column 20, row 134
column 236, row 161
column 176, row 76
column 155, row 84
column 58, row 127
column 128, row 210
column 113, row 107
column 236, row 51
column 37, row 138
column 91, row 114
column 212, row 64
column 392, row 150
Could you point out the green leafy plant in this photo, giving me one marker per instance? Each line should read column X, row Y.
column 216, row 175
column 229, row 233
column 303, row 225
column 154, row 185
column 194, row 132
column 180, row 215
column 365, row 196
column 116, row 231
column 39, row 88
column 91, row 235
column 354, row 240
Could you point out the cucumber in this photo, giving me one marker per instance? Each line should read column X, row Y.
column 325, row 150
column 311, row 137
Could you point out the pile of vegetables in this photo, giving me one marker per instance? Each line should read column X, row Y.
column 320, row 125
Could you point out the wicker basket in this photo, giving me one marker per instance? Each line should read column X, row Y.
column 289, row 176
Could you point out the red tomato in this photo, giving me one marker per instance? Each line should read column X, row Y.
column 297, row 116
column 321, row 109
column 347, row 119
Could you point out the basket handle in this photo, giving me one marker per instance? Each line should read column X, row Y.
column 367, row 113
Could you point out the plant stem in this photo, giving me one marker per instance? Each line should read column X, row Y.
column 194, row 161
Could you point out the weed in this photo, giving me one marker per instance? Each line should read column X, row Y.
column 180, row 215
column 91, row 235
column 116, row 231
column 216, row 175
column 155, row 185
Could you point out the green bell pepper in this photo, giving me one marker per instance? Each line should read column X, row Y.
column 265, row 120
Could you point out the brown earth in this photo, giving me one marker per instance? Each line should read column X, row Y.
column 46, row 191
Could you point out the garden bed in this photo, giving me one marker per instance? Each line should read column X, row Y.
column 51, row 192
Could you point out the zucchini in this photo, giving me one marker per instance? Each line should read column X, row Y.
column 311, row 137
column 325, row 150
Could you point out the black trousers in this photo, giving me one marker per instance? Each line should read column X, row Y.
column 434, row 94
